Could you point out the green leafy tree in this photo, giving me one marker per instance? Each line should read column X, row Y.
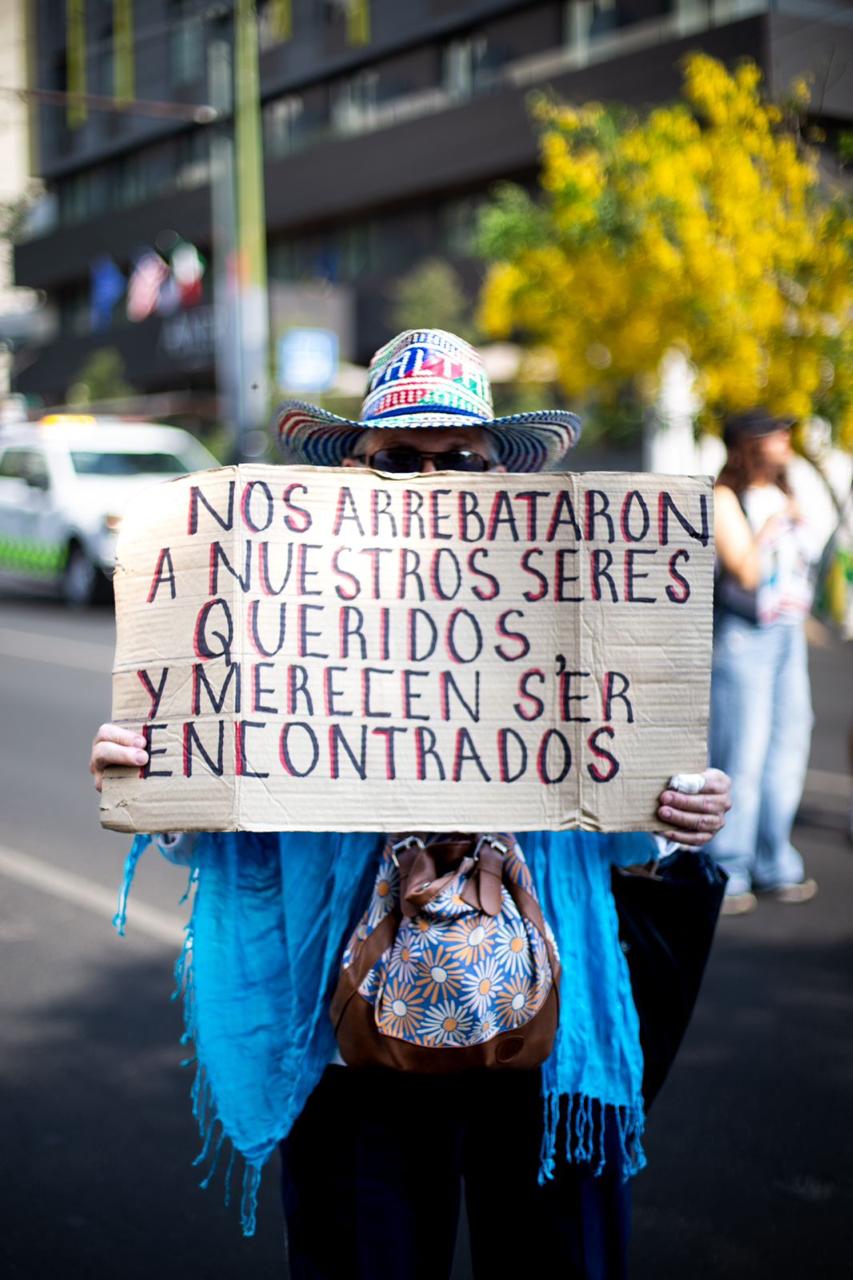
column 102, row 378
column 431, row 295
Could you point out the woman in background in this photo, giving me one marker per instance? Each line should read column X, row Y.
column 761, row 715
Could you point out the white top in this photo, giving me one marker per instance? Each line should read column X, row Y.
column 788, row 557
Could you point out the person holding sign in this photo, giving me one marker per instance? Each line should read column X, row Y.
column 374, row 1158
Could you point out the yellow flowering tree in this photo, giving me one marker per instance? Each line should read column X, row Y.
column 702, row 227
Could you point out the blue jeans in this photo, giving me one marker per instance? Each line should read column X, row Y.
column 761, row 722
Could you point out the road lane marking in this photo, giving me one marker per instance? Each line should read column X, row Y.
column 83, row 892
column 84, row 655
column 829, row 784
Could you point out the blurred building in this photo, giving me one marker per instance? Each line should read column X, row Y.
column 18, row 307
column 384, row 125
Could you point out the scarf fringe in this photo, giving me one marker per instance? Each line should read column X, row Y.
column 202, row 1097
column 201, row 1093
column 140, row 844
column 584, row 1121
column 214, row 1139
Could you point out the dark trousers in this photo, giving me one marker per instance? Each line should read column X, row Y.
column 374, row 1170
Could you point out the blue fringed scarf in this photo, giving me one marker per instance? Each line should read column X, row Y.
column 263, row 946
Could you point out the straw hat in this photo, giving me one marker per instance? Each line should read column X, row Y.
column 427, row 378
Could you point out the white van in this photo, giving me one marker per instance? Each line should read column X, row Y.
column 64, row 484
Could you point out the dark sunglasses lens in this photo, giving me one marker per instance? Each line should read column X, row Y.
column 403, row 458
column 397, row 460
column 462, row 460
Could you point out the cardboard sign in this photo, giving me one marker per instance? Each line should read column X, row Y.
column 316, row 649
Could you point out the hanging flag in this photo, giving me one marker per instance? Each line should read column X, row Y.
column 281, row 19
column 358, row 21
column 75, row 55
column 188, row 272
column 147, row 280
column 124, row 75
column 107, row 285
column 169, row 297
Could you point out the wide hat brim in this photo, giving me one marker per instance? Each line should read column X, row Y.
column 537, row 441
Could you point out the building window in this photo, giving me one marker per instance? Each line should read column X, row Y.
column 101, row 58
column 349, row 19
column 129, row 187
column 606, row 22
column 465, row 66
column 284, row 261
column 178, row 164
column 354, row 102
column 192, row 167
column 284, row 124
column 306, row 258
column 41, row 218
column 360, row 249
column 146, row 173
column 84, row 196
column 71, row 208
column 186, row 44
column 54, row 120
column 292, row 121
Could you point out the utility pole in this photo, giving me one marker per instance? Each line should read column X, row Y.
column 223, row 223
column 253, row 396
column 239, row 230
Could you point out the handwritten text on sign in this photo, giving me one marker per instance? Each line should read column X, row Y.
column 334, row 649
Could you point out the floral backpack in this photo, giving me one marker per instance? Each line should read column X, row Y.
column 452, row 965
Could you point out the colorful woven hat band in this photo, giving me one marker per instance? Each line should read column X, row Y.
column 427, row 371
column 427, row 378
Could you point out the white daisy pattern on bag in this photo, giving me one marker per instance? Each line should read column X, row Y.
column 512, row 947
column 549, row 934
column 440, row 974
column 429, row 929
column 401, row 1010
column 480, row 985
column 519, row 871
column 370, row 985
column 516, row 1003
column 404, row 961
column 473, row 939
column 447, row 1023
column 386, row 893
column 449, row 902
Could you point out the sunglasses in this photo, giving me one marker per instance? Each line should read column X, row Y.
column 402, row 459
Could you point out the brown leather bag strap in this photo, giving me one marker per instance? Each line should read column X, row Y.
column 449, row 853
column 420, row 880
column 417, row 872
column 368, row 955
column 531, row 910
column 491, row 874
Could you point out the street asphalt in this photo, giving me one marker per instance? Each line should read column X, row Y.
column 750, row 1145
